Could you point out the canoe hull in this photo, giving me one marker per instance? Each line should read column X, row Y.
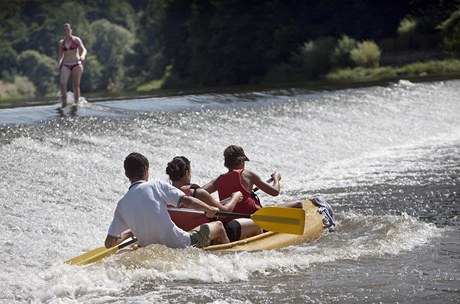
column 273, row 240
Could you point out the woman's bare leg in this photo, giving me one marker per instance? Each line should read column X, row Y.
column 76, row 77
column 64, row 78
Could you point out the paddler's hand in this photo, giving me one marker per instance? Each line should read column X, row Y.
column 127, row 234
column 276, row 176
column 238, row 196
column 212, row 211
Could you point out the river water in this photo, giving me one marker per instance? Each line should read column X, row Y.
column 387, row 158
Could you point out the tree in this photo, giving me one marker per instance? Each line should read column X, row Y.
column 113, row 43
column 118, row 12
column 8, row 61
column 451, row 33
column 12, row 32
column 91, row 80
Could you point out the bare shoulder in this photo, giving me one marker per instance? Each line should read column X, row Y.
column 78, row 39
column 253, row 176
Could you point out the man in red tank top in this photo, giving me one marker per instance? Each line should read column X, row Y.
column 240, row 179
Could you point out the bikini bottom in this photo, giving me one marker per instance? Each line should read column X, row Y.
column 71, row 66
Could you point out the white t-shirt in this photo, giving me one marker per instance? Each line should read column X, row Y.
column 143, row 209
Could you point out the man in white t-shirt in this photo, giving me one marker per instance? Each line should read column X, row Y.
column 143, row 213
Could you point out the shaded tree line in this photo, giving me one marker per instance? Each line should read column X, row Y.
column 205, row 43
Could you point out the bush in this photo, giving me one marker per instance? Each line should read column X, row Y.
column 20, row 87
column 24, row 86
column 341, row 55
column 407, row 26
column 40, row 69
column 313, row 58
column 366, row 54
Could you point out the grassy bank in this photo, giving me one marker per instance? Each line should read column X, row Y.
column 428, row 69
column 339, row 79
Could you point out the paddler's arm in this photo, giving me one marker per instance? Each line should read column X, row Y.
column 273, row 190
column 194, row 203
column 229, row 204
column 210, row 186
column 111, row 241
column 226, row 205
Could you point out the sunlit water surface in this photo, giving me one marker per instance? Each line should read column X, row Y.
column 387, row 158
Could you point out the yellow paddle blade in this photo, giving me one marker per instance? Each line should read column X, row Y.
column 97, row 254
column 280, row 219
column 89, row 254
column 92, row 256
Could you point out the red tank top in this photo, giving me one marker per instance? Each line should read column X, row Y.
column 231, row 182
column 73, row 45
column 185, row 220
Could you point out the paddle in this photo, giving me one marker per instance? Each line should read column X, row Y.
column 97, row 254
column 277, row 219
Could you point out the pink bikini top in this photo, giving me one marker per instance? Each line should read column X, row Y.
column 73, row 45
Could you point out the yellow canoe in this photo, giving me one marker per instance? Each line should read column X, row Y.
column 269, row 240
column 274, row 240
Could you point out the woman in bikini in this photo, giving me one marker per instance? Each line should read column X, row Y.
column 72, row 53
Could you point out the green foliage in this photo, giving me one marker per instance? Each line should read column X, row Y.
column 13, row 29
column 417, row 69
column 361, row 74
column 216, row 43
column 113, row 43
column 313, row 58
column 118, row 12
column 156, row 84
column 341, row 56
column 20, row 86
column 8, row 61
column 24, row 86
column 46, row 27
column 450, row 66
column 407, row 26
column 366, row 54
column 451, row 33
column 316, row 58
column 40, row 69
column 91, row 79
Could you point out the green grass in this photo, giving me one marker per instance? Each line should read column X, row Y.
column 156, row 84
column 150, row 86
column 416, row 69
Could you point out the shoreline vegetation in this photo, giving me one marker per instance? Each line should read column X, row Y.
column 432, row 70
column 148, row 48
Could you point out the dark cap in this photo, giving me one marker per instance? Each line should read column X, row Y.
column 237, row 154
column 232, row 153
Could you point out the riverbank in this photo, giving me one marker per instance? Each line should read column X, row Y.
column 336, row 80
